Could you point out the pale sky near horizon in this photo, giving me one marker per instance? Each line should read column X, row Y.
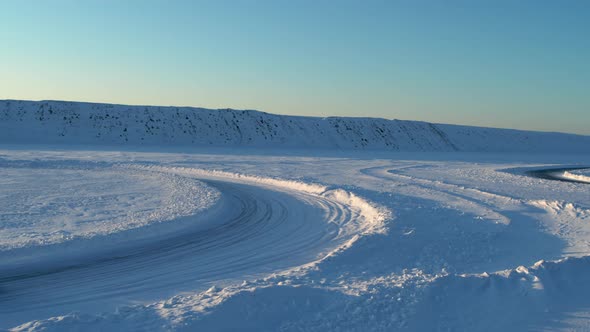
column 512, row 64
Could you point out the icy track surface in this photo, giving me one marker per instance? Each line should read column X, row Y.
column 356, row 242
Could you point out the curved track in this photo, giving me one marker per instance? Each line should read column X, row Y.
column 260, row 230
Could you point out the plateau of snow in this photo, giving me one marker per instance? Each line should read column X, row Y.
column 51, row 122
column 222, row 228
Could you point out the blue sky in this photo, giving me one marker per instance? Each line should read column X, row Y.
column 514, row 64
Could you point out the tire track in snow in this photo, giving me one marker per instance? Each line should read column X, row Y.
column 480, row 203
column 260, row 229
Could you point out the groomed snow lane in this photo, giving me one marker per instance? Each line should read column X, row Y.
column 258, row 231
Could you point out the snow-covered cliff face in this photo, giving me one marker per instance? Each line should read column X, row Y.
column 55, row 122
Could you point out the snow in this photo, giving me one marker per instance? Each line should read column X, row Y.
column 372, row 216
column 423, row 242
column 260, row 225
column 262, row 235
column 51, row 122
column 575, row 176
column 581, row 171
column 49, row 203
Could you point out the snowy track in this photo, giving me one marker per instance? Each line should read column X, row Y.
column 258, row 230
column 450, row 244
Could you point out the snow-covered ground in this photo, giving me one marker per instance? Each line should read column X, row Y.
column 267, row 240
column 51, row 202
column 60, row 122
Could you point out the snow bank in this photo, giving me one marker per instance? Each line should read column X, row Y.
column 576, row 177
column 560, row 207
column 59, row 122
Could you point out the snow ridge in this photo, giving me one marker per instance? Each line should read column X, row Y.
column 577, row 177
column 60, row 122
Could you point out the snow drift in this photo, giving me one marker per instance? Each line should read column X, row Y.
column 545, row 296
column 56, row 122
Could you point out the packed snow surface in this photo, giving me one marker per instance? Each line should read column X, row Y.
column 47, row 203
column 302, row 241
